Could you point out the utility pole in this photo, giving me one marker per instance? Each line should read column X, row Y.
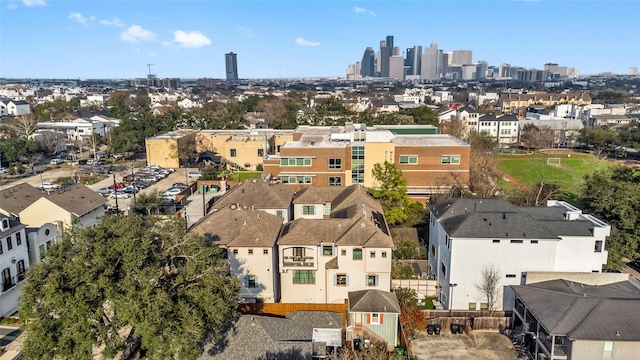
column 115, row 192
column 135, row 190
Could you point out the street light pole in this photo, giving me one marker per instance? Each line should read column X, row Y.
column 135, row 190
column 115, row 192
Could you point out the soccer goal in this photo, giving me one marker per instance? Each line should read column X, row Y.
column 553, row 161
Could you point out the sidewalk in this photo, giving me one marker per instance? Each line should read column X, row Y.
column 10, row 340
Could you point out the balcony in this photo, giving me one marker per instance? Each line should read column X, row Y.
column 298, row 261
column 7, row 286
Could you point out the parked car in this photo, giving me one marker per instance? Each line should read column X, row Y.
column 118, row 156
column 173, row 191
column 116, row 186
column 194, row 174
column 49, row 186
column 56, row 161
column 128, row 178
column 130, row 189
column 105, row 191
column 179, row 185
column 3, row 170
column 119, row 195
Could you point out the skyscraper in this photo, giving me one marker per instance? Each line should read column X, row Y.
column 461, row 57
column 385, row 54
column 414, row 60
column 430, row 64
column 389, row 42
column 231, row 65
column 396, row 65
column 368, row 63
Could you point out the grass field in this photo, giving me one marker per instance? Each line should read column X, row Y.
column 531, row 169
column 245, row 175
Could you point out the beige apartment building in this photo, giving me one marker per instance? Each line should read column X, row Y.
column 342, row 156
column 509, row 102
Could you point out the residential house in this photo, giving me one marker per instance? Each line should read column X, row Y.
column 563, row 319
column 509, row 102
column 14, row 262
column 446, row 113
column 341, row 156
column 81, row 129
column 469, row 116
column 322, row 259
column 14, row 107
column 502, row 129
column 41, row 238
column 373, row 315
column 467, row 236
column 249, row 238
column 75, row 205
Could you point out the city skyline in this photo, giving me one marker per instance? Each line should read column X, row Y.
column 276, row 39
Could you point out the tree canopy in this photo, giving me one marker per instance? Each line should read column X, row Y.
column 170, row 287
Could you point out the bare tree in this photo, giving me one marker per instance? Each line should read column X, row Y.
column 22, row 125
column 489, row 286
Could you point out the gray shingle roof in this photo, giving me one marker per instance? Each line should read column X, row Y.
column 585, row 312
column 488, row 218
column 17, row 198
column 260, row 194
column 373, row 301
column 267, row 337
column 77, row 199
column 240, row 226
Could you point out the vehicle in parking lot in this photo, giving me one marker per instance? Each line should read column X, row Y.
column 105, row 191
column 116, row 186
column 194, row 174
column 130, row 189
column 3, row 170
column 56, row 161
column 49, row 186
column 173, row 191
column 140, row 184
column 119, row 195
column 118, row 156
column 179, row 185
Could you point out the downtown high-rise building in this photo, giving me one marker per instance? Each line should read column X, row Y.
column 414, row 60
column 368, row 63
column 461, row 57
column 430, row 63
column 385, row 54
column 231, row 66
column 396, row 64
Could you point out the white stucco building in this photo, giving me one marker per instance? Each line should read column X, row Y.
column 469, row 235
column 14, row 262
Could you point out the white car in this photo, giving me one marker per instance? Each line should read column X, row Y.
column 119, row 195
column 173, row 191
column 49, row 186
column 3, row 170
column 194, row 174
column 56, row 161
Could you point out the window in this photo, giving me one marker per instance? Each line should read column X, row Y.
column 298, row 252
column 1, row 251
column 472, row 306
column 279, row 213
column 235, row 251
column 443, row 267
column 372, row 280
column 341, row 280
column 9, row 244
column 408, row 159
column 375, row 318
column 265, row 251
column 343, row 252
column 516, row 241
column 433, row 250
column 304, row 277
column 295, row 179
column 335, row 180
column 5, row 223
column 295, row 162
column 372, row 254
column 357, row 254
column 250, row 251
column 18, row 239
column 598, row 247
column 252, row 281
column 450, row 160
column 534, row 241
column 511, row 276
column 383, row 254
column 308, row 210
column 327, row 250
column 6, row 279
column 608, row 350
column 335, row 164
column 327, row 208
column 41, row 248
column 496, row 241
column 261, row 152
column 21, row 270
column 232, row 152
column 484, row 306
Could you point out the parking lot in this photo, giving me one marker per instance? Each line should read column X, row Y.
column 483, row 345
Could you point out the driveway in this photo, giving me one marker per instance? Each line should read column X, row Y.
column 483, row 345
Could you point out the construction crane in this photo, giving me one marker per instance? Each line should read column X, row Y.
column 149, row 66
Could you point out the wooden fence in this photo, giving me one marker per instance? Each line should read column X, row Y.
column 280, row 309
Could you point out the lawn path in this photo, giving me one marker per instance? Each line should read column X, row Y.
column 511, row 179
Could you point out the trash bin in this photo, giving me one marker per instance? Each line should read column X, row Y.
column 203, row 189
column 399, row 350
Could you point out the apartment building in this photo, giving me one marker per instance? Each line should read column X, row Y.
column 342, row 156
column 467, row 236
column 502, row 129
column 14, row 262
column 510, row 102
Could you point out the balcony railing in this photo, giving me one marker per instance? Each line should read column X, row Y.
column 8, row 285
column 298, row 261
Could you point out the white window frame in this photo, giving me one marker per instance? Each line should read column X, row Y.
column 410, row 160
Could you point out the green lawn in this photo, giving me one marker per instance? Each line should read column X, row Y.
column 569, row 174
column 245, row 175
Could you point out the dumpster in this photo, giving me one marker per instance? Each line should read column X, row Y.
column 203, row 189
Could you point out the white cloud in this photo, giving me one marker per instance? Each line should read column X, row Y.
column 136, row 33
column 245, row 31
column 361, row 10
column 34, row 3
column 114, row 22
column 81, row 19
column 193, row 39
column 302, row 42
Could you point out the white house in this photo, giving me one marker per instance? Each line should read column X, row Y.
column 503, row 129
column 467, row 236
column 14, row 262
column 41, row 238
column 14, row 107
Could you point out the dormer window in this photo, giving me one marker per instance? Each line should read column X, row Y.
column 5, row 224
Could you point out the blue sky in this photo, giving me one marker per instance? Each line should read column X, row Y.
column 273, row 39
